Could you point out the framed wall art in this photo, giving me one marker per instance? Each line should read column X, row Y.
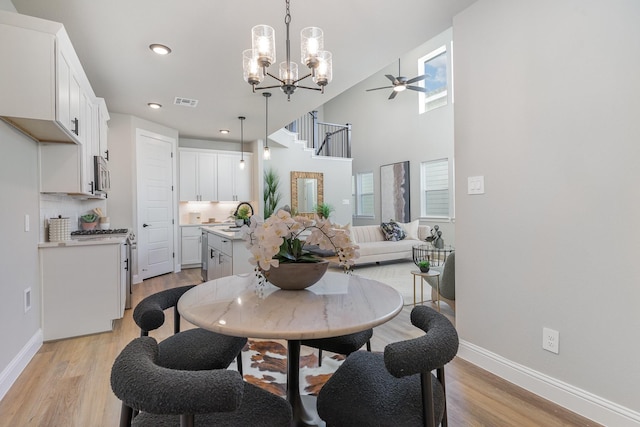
column 394, row 192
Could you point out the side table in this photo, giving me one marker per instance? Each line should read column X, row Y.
column 430, row 273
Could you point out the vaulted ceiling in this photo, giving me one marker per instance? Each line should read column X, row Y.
column 207, row 38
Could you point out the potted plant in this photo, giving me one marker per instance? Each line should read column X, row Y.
column 323, row 210
column 424, row 265
column 271, row 194
column 242, row 216
column 89, row 221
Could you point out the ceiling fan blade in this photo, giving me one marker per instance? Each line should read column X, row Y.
column 393, row 79
column 417, row 88
column 417, row 79
column 393, row 94
column 378, row 88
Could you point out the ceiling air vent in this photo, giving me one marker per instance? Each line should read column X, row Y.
column 186, row 102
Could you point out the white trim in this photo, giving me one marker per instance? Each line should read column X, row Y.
column 566, row 395
column 11, row 373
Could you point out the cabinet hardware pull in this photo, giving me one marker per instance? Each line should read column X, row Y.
column 145, row 225
column 75, row 126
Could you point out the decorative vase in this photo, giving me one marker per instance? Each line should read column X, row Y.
column 424, row 269
column 295, row 276
column 239, row 222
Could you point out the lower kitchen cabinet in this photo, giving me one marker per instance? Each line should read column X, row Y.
column 191, row 247
column 83, row 288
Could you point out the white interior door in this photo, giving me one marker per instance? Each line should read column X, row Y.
column 155, row 228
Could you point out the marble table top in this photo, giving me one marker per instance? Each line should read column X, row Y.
column 338, row 304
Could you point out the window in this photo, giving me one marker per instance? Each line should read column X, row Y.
column 434, row 65
column 362, row 194
column 434, row 189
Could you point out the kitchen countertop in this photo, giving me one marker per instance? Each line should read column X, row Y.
column 98, row 240
column 222, row 231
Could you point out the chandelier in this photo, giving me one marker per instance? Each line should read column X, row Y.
column 256, row 61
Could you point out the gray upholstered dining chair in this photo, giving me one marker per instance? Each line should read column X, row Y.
column 344, row 344
column 170, row 397
column 193, row 349
column 396, row 388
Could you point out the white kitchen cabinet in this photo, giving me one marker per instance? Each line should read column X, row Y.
column 102, row 128
column 220, row 263
column 191, row 247
column 234, row 184
column 227, row 254
column 42, row 82
column 82, row 289
column 198, row 175
column 65, row 168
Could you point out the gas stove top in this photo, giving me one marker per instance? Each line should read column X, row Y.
column 99, row 232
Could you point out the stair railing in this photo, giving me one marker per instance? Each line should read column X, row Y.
column 326, row 139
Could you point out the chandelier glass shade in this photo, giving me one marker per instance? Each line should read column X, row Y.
column 257, row 60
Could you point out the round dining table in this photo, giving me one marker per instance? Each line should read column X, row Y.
column 338, row 304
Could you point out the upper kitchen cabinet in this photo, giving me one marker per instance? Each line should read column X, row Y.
column 44, row 88
column 198, row 175
column 66, row 168
column 102, row 128
column 234, row 184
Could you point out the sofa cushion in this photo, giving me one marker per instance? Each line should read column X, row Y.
column 393, row 231
column 411, row 229
column 367, row 233
column 387, row 247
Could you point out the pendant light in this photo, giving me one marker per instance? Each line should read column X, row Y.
column 242, row 141
column 256, row 61
column 267, row 153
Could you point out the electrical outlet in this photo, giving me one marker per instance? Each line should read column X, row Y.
column 550, row 340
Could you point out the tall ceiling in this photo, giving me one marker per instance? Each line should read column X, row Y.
column 207, row 38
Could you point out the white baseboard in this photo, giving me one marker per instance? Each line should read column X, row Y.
column 10, row 374
column 574, row 399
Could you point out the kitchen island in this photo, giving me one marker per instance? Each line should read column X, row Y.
column 224, row 252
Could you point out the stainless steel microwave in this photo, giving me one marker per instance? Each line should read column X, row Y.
column 102, row 176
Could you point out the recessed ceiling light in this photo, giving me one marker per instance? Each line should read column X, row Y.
column 154, row 105
column 160, row 49
column 225, row 131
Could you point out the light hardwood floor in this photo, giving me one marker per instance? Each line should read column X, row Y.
column 67, row 382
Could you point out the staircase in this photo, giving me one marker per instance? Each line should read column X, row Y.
column 325, row 139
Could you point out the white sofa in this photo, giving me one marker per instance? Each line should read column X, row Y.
column 375, row 248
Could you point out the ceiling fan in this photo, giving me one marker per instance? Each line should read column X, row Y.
column 401, row 83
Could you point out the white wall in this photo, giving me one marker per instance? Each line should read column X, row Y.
column 547, row 104
column 18, row 251
column 336, row 174
column 389, row 131
column 7, row 5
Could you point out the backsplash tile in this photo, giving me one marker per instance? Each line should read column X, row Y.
column 54, row 205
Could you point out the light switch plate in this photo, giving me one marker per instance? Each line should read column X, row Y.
column 475, row 185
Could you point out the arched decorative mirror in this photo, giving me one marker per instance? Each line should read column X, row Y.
column 307, row 191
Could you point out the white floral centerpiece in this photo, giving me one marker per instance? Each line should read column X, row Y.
column 282, row 238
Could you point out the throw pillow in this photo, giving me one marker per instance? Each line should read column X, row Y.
column 392, row 231
column 411, row 229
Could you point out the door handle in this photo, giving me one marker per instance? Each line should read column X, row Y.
column 145, row 225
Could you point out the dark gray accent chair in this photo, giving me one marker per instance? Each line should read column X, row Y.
column 396, row 388
column 194, row 349
column 169, row 397
column 447, row 281
column 344, row 344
